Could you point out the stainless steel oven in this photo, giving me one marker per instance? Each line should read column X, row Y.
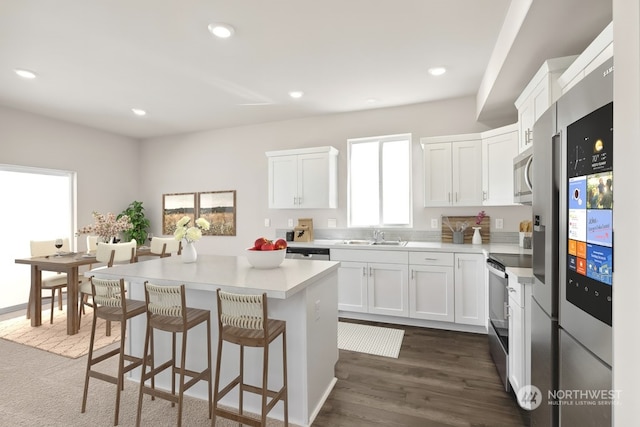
column 497, row 264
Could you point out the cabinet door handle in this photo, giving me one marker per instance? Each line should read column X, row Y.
column 370, row 271
column 484, row 195
column 456, row 197
column 506, row 310
column 449, row 197
column 412, row 270
column 510, row 289
column 364, row 271
column 431, row 259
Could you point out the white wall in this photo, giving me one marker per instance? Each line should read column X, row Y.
column 106, row 164
column 234, row 159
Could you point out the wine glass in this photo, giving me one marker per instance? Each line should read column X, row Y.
column 58, row 244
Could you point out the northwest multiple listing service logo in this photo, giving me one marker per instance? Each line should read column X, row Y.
column 530, row 397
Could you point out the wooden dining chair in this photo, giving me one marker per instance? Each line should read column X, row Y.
column 108, row 254
column 51, row 281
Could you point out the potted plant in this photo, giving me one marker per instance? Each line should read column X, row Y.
column 140, row 223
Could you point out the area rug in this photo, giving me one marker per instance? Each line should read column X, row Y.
column 368, row 339
column 53, row 337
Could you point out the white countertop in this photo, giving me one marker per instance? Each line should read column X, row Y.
column 230, row 273
column 523, row 275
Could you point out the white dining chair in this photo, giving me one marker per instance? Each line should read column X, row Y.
column 165, row 246
column 51, row 280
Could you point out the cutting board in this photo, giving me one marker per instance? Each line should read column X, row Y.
column 485, row 231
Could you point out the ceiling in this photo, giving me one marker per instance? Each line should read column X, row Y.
column 97, row 60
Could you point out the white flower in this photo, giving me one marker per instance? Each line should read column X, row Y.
column 203, row 223
column 183, row 221
column 193, row 233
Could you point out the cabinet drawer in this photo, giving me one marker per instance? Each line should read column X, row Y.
column 431, row 258
column 369, row 255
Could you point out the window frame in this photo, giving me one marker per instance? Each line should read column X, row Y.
column 381, row 140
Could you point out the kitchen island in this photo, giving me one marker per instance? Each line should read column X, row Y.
column 303, row 293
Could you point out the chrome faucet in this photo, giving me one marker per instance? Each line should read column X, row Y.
column 378, row 236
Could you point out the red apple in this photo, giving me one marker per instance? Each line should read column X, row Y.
column 280, row 244
column 269, row 246
column 259, row 242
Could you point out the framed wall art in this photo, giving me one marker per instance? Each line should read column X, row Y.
column 174, row 207
column 219, row 208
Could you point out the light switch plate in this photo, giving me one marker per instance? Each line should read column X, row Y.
column 290, row 223
column 267, row 222
column 499, row 223
column 434, row 222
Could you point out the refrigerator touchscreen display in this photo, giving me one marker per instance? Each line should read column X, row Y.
column 590, row 213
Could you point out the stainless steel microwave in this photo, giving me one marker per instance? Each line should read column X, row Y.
column 522, row 176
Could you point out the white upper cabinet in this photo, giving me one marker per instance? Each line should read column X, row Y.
column 499, row 147
column 304, row 178
column 452, row 168
column 542, row 91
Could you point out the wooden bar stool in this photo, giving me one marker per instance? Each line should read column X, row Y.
column 167, row 311
column 110, row 304
column 242, row 320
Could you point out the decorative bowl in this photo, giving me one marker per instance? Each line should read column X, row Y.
column 265, row 259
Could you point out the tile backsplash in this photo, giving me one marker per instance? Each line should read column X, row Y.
column 395, row 234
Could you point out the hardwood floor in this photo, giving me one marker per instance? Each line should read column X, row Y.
column 441, row 378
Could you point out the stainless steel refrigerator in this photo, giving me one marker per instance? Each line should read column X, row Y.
column 573, row 255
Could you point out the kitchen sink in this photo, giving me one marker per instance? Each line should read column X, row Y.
column 389, row 243
column 356, row 242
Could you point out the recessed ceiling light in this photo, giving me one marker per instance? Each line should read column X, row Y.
column 25, row 74
column 139, row 112
column 437, row 71
column 223, row 31
column 296, row 94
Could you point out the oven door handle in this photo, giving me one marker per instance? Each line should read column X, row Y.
column 496, row 272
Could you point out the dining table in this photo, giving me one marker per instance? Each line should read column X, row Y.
column 68, row 263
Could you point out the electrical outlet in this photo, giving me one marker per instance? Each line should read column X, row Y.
column 289, row 222
column 499, row 223
column 317, row 310
column 434, row 222
column 267, row 222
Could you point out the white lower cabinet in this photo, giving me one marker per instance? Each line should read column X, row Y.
column 372, row 281
column 431, row 288
column 519, row 359
column 434, row 286
column 388, row 290
column 352, row 287
column 470, row 289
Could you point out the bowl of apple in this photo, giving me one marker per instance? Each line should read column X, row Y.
column 266, row 254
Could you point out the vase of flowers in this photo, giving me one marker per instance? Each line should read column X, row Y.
column 190, row 234
column 107, row 227
column 477, row 238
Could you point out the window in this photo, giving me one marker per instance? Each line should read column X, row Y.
column 380, row 181
column 39, row 205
